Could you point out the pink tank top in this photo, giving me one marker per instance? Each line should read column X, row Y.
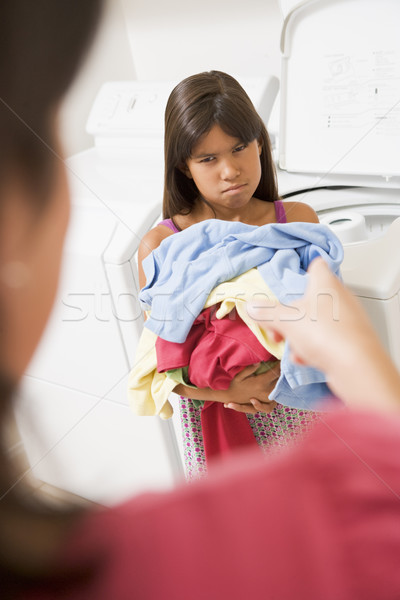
column 279, row 213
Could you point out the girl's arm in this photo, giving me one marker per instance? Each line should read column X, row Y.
column 247, row 393
column 150, row 242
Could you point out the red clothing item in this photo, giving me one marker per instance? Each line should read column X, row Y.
column 216, row 350
column 224, row 430
column 320, row 521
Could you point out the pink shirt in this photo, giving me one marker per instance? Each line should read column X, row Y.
column 320, row 521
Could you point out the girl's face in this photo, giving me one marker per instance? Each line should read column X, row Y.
column 226, row 170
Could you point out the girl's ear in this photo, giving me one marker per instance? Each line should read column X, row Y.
column 260, row 146
column 185, row 170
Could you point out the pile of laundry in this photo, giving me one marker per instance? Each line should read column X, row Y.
column 199, row 331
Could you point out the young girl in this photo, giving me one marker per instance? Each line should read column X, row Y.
column 218, row 164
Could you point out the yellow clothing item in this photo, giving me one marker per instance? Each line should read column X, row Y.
column 235, row 293
column 148, row 390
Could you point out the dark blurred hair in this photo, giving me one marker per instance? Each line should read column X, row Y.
column 194, row 106
column 42, row 43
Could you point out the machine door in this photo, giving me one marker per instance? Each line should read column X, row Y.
column 340, row 89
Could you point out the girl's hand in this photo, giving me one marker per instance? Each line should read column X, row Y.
column 249, row 393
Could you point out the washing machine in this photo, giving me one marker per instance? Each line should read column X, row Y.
column 78, row 430
column 338, row 144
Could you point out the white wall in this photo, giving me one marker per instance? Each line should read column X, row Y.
column 110, row 58
column 169, row 40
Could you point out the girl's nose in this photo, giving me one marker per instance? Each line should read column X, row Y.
column 229, row 170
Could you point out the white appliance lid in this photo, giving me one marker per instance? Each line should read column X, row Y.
column 340, row 88
column 129, row 109
column 131, row 113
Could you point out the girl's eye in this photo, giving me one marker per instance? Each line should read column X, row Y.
column 207, row 159
column 240, row 148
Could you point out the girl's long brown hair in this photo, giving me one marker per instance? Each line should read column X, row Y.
column 194, row 106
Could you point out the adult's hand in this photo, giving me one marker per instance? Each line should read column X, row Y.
column 328, row 329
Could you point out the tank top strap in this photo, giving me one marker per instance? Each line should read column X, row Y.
column 280, row 213
column 170, row 224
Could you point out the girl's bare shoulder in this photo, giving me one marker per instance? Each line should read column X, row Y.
column 300, row 211
column 152, row 239
column 149, row 242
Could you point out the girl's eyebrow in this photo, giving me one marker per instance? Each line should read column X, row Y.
column 206, row 155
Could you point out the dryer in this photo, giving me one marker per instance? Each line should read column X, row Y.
column 339, row 139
